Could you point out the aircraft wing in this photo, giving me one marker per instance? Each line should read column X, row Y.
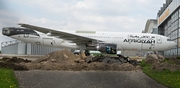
column 64, row 35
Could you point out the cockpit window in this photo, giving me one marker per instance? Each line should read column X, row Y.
column 5, row 31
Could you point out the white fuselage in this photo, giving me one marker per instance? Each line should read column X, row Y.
column 124, row 41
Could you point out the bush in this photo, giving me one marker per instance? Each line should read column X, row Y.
column 143, row 64
column 178, row 57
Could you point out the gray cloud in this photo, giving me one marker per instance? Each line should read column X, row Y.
column 7, row 19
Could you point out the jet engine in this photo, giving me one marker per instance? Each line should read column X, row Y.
column 109, row 48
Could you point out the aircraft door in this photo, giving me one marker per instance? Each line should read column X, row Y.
column 48, row 41
column 159, row 40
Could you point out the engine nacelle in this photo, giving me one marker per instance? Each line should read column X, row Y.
column 109, row 48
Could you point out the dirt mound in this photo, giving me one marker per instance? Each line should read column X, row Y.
column 175, row 61
column 13, row 63
column 108, row 67
column 83, row 66
column 65, row 60
column 63, row 55
column 158, row 63
column 15, row 60
column 166, row 66
column 12, row 66
column 57, row 57
column 154, row 59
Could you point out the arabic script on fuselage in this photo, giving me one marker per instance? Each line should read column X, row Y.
column 140, row 39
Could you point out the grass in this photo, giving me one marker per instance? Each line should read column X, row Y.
column 166, row 77
column 7, row 79
column 168, row 61
column 95, row 54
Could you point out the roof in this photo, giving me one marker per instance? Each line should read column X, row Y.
column 148, row 24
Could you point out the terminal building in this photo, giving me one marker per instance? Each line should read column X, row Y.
column 168, row 18
column 167, row 24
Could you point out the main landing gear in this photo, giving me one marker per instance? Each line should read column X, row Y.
column 87, row 52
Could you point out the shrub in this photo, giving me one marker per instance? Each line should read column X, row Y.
column 143, row 64
column 178, row 57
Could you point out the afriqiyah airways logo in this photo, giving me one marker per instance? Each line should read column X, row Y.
column 140, row 39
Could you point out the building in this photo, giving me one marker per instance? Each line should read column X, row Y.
column 151, row 26
column 169, row 24
column 21, row 48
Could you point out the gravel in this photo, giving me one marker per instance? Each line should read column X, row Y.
column 85, row 79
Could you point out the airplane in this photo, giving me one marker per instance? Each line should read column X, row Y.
column 105, row 42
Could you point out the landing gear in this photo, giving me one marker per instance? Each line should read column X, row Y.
column 87, row 53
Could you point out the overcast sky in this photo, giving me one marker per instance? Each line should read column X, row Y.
column 102, row 15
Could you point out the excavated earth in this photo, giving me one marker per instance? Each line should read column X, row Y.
column 13, row 63
column 159, row 63
column 65, row 60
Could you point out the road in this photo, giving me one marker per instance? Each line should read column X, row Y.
column 85, row 79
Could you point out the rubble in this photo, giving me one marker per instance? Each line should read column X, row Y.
column 110, row 60
column 65, row 60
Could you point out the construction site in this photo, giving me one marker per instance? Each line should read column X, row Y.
column 65, row 60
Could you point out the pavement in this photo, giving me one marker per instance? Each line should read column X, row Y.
column 85, row 79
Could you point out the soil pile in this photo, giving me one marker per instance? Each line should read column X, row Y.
column 13, row 63
column 154, row 58
column 14, row 60
column 166, row 66
column 65, row 60
column 58, row 57
column 158, row 63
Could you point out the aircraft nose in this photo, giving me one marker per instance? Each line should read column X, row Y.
column 6, row 31
column 174, row 44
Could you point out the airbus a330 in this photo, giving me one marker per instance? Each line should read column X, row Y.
column 108, row 42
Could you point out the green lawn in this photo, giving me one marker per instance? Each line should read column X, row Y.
column 7, row 79
column 167, row 78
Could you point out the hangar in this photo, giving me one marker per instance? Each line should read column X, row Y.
column 151, row 26
column 21, row 48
